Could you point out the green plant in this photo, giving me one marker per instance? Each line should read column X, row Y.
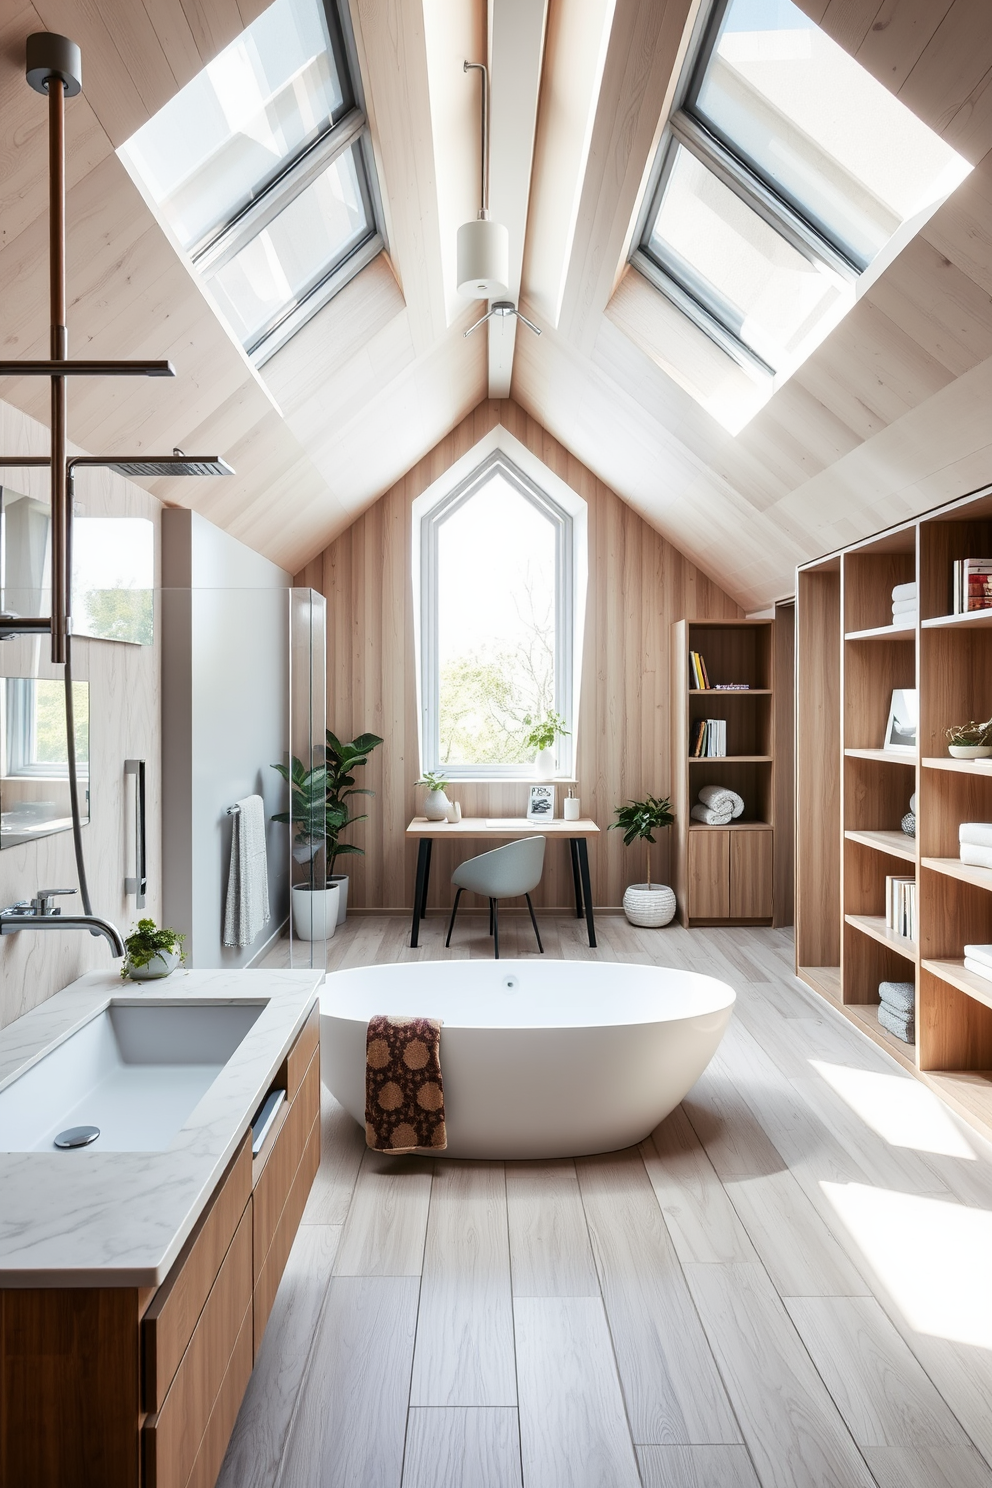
column 339, row 761
column 307, row 806
column 432, row 780
column 146, row 941
column 639, row 819
column 970, row 733
column 545, row 731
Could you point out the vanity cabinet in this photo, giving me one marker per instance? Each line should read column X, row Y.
column 126, row 1388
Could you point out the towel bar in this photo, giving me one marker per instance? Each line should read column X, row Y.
column 234, row 810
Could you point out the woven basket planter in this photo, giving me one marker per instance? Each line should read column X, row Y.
column 650, row 905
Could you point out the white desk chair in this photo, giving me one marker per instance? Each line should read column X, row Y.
column 505, row 873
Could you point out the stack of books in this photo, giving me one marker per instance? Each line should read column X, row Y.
column 978, row 958
column 900, row 905
column 697, row 666
column 972, row 585
column 708, row 739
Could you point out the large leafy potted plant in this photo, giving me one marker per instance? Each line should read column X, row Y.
column 340, row 760
column 315, row 904
column 646, row 903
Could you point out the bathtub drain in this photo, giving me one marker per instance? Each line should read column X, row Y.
column 77, row 1136
column 510, row 983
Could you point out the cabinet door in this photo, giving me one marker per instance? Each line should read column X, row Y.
column 750, row 875
column 709, row 874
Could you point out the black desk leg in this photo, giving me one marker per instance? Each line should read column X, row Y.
column 423, row 858
column 574, row 855
column 582, row 849
column 427, row 878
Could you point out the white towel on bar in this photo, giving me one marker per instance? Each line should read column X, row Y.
column 978, row 857
column 710, row 817
column 904, row 591
column 719, row 798
column 247, row 907
column 978, row 968
column 979, row 834
column 981, row 953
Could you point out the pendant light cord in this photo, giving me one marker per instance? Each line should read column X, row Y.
column 481, row 66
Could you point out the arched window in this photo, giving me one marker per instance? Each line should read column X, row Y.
column 497, row 624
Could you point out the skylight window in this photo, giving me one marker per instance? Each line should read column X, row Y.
column 261, row 169
column 786, row 181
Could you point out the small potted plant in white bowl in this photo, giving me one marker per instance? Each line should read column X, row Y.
column 150, row 953
column 542, row 737
column 437, row 803
column 646, row 904
column 970, row 740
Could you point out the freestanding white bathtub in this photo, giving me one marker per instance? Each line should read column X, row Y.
column 539, row 1059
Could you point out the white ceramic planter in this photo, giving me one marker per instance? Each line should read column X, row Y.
column 315, row 912
column 436, row 806
column 651, row 905
column 341, row 879
column 970, row 751
column 161, row 965
column 544, row 765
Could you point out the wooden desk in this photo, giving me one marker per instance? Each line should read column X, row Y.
column 477, row 829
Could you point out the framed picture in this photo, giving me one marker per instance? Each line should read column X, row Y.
column 904, row 717
column 541, row 806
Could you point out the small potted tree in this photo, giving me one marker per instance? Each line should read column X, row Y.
column 646, row 903
column 315, row 904
column 543, row 735
column 340, row 760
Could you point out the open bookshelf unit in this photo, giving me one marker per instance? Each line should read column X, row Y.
column 726, row 875
column 852, row 794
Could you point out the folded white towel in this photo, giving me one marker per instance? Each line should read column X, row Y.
column 247, row 906
column 981, row 953
column 904, row 607
column 903, row 1028
column 979, row 834
column 710, row 817
column 721, row 799
column 978, row 967
column 898, row 995
column 978, row 857
column 904, row 591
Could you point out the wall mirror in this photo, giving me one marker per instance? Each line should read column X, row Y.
column 34, row 760
column 113, row 569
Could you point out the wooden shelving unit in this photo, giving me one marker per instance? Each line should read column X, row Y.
column 852, row 794
column 726, row 875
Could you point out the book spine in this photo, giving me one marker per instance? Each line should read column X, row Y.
column 706, row 676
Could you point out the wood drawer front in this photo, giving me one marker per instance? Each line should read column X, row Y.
column 173, row 1437
column 751, row 875
column 210, row 1457
column 709, row 874
column 267, row 1282
column 299, row 1057
column 171, row 1318
column 276, row 1178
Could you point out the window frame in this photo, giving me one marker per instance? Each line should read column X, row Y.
column 735, row 170
column 430, row 524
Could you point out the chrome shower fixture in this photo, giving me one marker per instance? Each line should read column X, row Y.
column 503, row 308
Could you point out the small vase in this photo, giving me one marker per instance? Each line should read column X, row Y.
column 436, row 806
column 162, row 964
column 544, row 764
column 970, row 751
column 651, row 905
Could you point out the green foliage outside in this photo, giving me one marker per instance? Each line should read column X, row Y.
column 488, row 700
column 49, row 721
column 120, row 615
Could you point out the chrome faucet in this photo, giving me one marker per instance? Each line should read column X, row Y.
column 41, row 913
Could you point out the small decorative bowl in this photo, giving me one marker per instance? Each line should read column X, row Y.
column 970, row 751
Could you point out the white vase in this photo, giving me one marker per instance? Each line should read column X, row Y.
column 544, row 764
column 970, row 751
column 315, row 912
column 651, row 905
column 341, row 879
column 436, row 806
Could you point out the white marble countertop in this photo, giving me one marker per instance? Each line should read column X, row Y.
column 121, row 1218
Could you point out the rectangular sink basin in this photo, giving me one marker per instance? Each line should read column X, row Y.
column 134, row 1071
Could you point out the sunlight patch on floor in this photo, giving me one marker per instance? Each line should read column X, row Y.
column 933, row 1257
column 901, row 1110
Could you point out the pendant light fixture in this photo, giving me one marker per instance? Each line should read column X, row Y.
column 483, row 245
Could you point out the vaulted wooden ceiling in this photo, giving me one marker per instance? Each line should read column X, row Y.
column 887, row 418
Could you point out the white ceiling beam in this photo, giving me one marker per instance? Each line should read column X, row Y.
column 516, row 50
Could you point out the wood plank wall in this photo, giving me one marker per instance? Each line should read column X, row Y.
column 638, row 584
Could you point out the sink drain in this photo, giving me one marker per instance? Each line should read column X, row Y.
column 77, row 1136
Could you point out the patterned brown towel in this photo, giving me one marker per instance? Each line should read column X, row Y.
column 404, row 1095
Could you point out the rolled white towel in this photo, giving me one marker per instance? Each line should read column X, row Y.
column 979, row 834
column 904, row 591
column 978, row 857
column 719, row 798
column 979, row 968
column 981, row 953
column 710, row 817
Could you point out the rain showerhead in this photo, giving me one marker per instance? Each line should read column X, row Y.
column 137, row 466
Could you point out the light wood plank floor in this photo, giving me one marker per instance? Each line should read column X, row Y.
column 788, row 1285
